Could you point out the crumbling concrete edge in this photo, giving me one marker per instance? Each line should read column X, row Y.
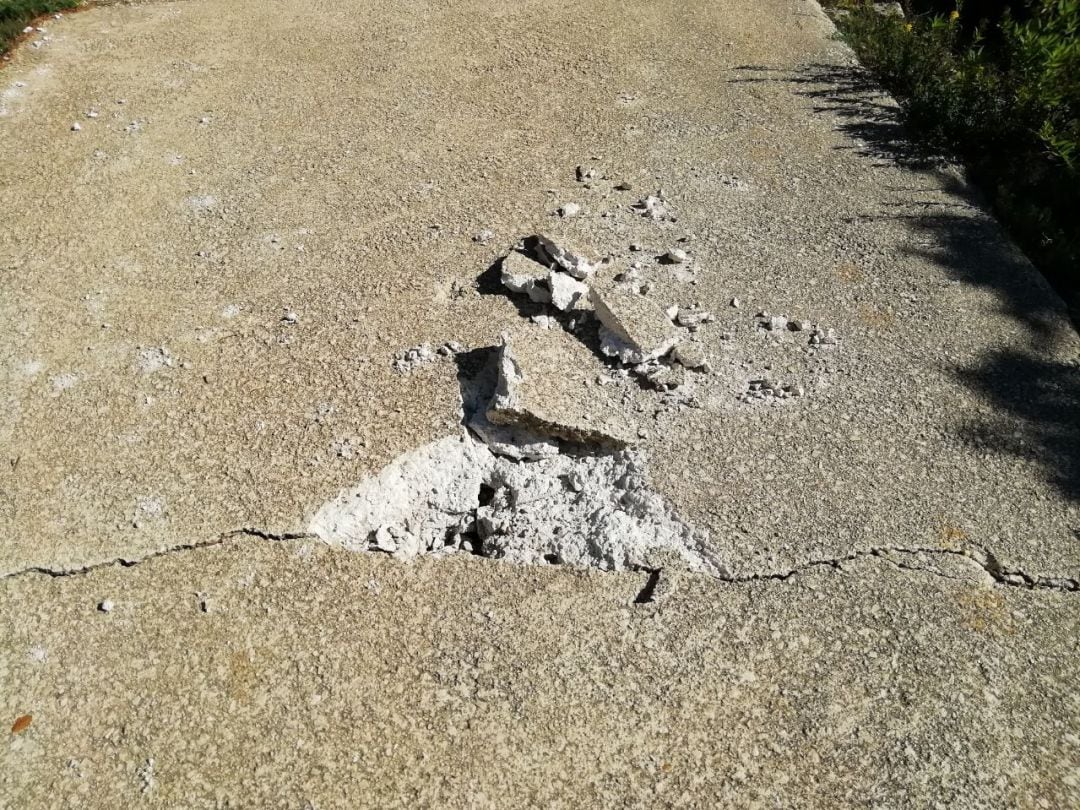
column 998, row 575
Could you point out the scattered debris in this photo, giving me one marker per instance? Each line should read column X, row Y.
column 653, row 207
column 583, row 174
column 758, row 390
column 634, row 329
column 660, row 376
column 151, row 360
column 484, row 236
column 823, row 337
column 408, row 359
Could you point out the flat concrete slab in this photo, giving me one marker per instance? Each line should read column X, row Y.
column 202, row 295
column 550, row 383
column 268, row 674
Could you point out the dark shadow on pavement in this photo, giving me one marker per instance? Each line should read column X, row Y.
column 1035, row 389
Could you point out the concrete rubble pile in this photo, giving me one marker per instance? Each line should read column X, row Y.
column 547, row 471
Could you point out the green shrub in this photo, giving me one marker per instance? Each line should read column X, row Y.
column 1003, row 94
column 15, row 15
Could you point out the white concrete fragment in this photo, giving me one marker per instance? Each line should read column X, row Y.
column 521, row 274
column 562, row 254
column 566, row 291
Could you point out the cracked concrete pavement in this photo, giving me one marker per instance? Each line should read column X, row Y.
column 202, row 292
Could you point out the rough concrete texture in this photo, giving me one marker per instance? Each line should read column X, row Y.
column 547, row 383
column 293, row 674
column 583, row 510
column 202, row 294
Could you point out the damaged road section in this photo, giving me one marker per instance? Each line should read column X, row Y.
column 588, row 511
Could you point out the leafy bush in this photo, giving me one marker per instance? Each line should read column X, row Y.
column 15, row 15
column 1002, row 92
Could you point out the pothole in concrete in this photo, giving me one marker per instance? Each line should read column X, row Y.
column 455, row 495
column 571, row 504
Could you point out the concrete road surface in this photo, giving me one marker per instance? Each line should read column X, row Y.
column 205, row 285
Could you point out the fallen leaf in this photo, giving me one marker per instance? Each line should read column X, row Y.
column 22, row 724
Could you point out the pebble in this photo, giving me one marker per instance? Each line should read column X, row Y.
column 91, row 113
column 105, row 605
column 76, row 127
column 736, row 303
column 676, row 256
column 290, row 317
column 484, row 236
column 823, row 337
column 569, row 209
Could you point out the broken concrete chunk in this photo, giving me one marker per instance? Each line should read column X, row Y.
column 560, row 253
column 691, row 355
column 510, row 441
column 566, row 291
column 692, row 317
column 521, row 274
column 544, row 387
column 634, row 329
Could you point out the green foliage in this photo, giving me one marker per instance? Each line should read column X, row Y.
column 15, row 15
column 1002, row 92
